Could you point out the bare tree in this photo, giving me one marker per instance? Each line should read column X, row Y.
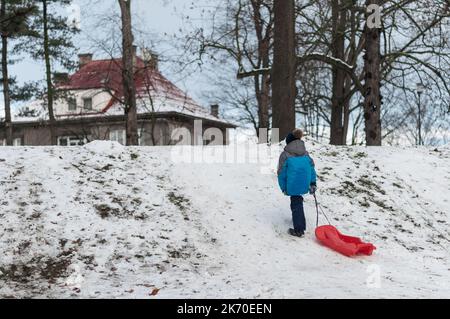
column 284, row 67
column 420, row 52
column 129, row 88
column 372, row 76
column 14, row 16
column 241, row 34
column 5, row 74
column 49, row 41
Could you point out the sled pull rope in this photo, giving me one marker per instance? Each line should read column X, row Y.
column 321, row 209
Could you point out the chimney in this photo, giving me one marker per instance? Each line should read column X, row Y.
column 61, row 78
column 84, row 59
column 215, row 110
column 150, row 58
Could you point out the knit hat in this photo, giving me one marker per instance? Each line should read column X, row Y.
column 296, row 134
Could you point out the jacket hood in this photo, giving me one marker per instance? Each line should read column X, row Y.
column 296, row 148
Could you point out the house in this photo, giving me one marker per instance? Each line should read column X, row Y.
column 89, row 106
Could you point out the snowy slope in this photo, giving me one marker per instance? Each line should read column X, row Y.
column 108, row 221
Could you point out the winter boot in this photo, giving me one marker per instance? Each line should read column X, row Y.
column 295, row 233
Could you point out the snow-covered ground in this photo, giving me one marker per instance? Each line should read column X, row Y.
column 104, row 221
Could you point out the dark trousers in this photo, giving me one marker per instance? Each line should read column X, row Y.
column 298, row 214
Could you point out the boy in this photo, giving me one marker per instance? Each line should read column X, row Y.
column 296, row 177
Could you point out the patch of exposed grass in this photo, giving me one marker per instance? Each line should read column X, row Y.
column 39, row 268
column 332, row 153
column 181, row 202
column 366, row 187
column 366, row 182
column 360, row 155
column 105, row 211
column 382, row 204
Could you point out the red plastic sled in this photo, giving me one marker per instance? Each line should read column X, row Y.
column 346, row 245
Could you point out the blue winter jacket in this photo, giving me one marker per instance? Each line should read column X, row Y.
column 296, row 170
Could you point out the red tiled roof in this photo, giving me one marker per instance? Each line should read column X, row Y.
column 107, row 74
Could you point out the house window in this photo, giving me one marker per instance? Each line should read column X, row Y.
column 72, row 104
column 87, row 104
column 71, row 141
column 118, row 136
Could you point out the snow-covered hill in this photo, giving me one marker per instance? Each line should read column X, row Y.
column 108, row 221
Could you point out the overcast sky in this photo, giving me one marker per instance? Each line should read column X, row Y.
column 160, row 19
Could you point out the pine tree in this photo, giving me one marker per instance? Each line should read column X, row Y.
column 14, row 16
column 52, row 44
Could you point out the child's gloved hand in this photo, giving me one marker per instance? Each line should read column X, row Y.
column 313, row 188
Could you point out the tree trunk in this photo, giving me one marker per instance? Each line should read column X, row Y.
column 339, row 20
column 5, row 76
column 284, row 68
column 129, row 87
column 48, row 73
column 264, row 102
column 347, row 101
column 262, row 81
column 262, row 89
column 372, row 74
